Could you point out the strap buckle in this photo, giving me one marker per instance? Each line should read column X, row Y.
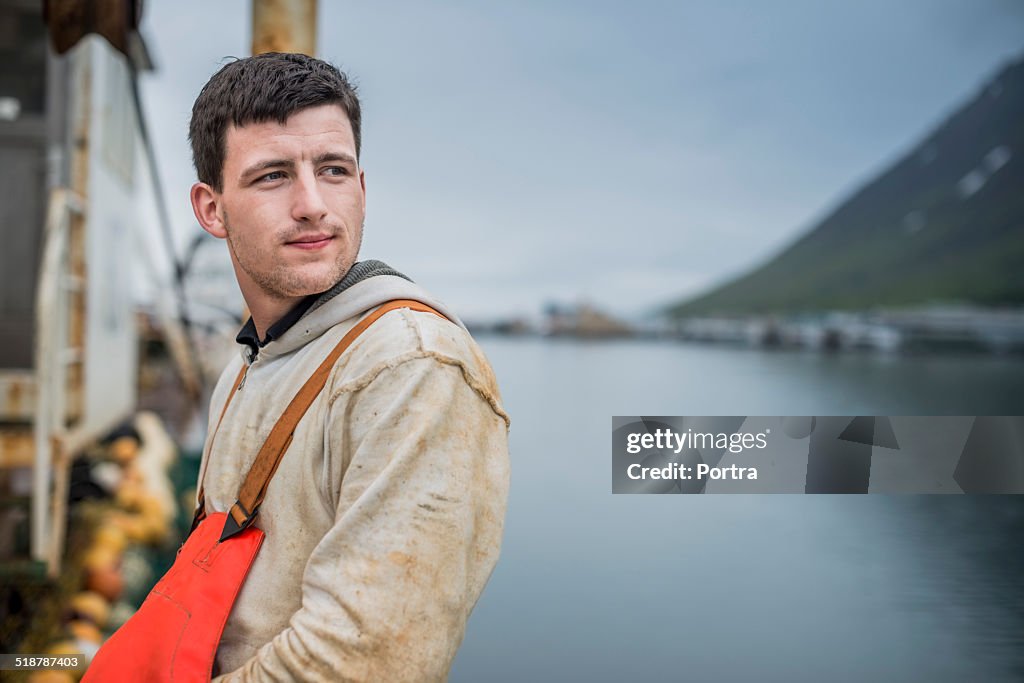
column 232, row 526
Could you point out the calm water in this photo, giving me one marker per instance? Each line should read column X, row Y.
column 596, row 587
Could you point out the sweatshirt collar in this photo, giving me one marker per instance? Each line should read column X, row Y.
column 248, row 335
column 357, row 273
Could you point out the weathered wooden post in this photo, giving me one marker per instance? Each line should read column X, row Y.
column 284, row 26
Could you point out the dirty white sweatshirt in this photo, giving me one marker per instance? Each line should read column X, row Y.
column 383, row 521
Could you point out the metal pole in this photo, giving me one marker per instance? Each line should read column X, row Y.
column 284, row 26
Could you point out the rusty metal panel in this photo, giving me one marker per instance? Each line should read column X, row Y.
column 70, row 20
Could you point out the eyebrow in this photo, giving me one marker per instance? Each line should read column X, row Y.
column 289, row 164
column 334, row 156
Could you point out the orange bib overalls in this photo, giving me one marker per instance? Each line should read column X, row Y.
column 174, row 635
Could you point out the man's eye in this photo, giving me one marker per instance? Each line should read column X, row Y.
column 336, row 170
column 275, row 175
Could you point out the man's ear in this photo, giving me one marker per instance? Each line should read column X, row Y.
column 205, row 205
column 362, row 183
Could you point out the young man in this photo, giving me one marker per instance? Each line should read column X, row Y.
column 383, row 520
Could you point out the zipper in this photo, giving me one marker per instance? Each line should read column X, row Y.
column 245, row 374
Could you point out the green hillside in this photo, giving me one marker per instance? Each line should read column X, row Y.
column 945, row 223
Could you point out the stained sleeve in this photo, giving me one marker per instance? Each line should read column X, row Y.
column 420, row 505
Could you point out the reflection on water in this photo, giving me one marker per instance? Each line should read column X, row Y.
column 972, row 551
column 719, row 588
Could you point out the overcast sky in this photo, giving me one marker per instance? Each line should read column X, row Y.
column 626, row 154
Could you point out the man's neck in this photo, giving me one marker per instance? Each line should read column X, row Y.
column 266, row 311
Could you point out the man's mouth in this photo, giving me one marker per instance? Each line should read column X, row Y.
column 311, row 242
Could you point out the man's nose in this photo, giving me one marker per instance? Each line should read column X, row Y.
column 308, row 203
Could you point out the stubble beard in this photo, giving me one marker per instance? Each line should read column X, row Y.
column 282, row 282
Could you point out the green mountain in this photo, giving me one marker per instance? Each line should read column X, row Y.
column 943, row 224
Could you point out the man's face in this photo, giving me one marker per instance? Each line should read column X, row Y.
column 292, row 204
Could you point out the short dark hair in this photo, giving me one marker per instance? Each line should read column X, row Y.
column 266, row 87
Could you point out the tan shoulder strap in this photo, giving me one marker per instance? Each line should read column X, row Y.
column 254, row 488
